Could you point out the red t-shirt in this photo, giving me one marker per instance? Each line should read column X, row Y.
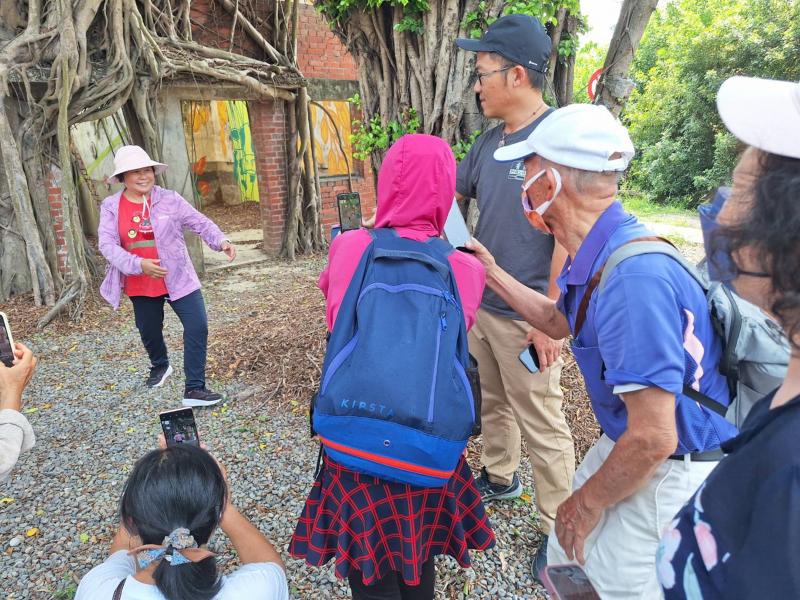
column 136, row 236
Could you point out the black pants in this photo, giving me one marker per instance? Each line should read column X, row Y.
column 392, row 587
column 191, row 310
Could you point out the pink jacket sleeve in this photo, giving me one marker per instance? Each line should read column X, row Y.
column 109, row 246
column 195, row 221
column 471, row 279
column 343, row 256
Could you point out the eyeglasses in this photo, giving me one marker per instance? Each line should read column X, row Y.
column 477, row 76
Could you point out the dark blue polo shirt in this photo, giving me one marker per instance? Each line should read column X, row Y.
column 650, row 327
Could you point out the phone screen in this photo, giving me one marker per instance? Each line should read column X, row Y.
column 569, row 582
column 530, row 359
column 179, row 427
column 6, row 342
column 349, row 210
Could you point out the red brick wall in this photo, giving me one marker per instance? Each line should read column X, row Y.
column 211, row 26
column 270, row 136
column 57, row 216
column 320, row 54
column 331, row 187
column 268, row 128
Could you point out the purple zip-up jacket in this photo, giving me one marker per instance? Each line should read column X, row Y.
column 169, row 215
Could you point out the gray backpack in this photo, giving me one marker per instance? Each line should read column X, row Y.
column 755, row 351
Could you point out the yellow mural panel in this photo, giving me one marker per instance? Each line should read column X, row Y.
column 330, row 154
column 244, row 159
column 218, row 133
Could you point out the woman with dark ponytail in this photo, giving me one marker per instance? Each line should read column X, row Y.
column 173, row 501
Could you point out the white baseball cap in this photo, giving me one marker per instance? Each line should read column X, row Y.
column 583, row 136
column 764, row 113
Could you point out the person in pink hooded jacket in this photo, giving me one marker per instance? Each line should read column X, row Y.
column 385, row 535
column 141, row 237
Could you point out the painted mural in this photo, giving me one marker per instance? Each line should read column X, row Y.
column 94, row 144
column 326, row 144
column 220, row 148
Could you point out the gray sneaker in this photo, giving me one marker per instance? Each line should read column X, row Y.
column 497, row 491
column 201, row 397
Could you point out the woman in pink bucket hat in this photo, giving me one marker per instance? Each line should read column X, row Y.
column 141, row 237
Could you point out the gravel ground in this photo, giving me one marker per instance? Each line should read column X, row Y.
column 93, row 418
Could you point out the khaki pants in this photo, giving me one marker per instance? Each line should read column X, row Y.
column 621, row 550
column 517, row 401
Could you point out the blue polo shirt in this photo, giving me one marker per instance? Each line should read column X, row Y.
column 650, row 327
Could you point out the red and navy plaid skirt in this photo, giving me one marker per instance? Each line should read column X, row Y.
column 376, row 526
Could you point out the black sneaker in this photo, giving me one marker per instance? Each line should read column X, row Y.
column 158, row 375
column 497, row 491
column 201, row 397
column 539, row 561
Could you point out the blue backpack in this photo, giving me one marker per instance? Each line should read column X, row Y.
column 395, row 399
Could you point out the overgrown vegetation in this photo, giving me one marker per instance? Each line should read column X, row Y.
column 690, row 47
column 412, row 77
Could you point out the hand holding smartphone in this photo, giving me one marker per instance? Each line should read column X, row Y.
column 6, row 342
column 568, row 582
column 530, row 358
column 179, row 427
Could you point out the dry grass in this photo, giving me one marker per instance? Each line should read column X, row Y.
column 246, row 215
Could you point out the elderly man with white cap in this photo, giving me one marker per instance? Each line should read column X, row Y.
column 639, row 343
column 141, row 237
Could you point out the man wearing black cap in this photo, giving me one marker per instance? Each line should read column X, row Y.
column 512, row 58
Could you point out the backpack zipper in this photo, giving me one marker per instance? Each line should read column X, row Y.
column 432, row 396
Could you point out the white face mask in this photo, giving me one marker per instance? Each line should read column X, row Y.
column 534, row 215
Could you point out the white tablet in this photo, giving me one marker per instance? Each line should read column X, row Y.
column 455, row 229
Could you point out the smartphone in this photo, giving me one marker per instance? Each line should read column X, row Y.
column 530, row 359
column 349, row 204
column 179, row 427
column 455, row 229
column 568, row 582
column 6, row 342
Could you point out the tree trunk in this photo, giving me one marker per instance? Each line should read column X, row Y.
column 614, row 87
column 564, row 75
column 140, row 44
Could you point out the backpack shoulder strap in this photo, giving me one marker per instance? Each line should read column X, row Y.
column 635, row 247
column 640, row 246
column 608, row 266
column 118, row 592
column 434, row 252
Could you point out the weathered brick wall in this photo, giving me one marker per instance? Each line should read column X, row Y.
column 320, row 53
column 57, row 216
column 268, row 128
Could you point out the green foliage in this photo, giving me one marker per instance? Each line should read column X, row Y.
column 589, row 58
column 374, row 136
column 476, row 22
column 336, row 10
column 691, row 47
column 412, row 24
column 544, row 10
column 461, row 147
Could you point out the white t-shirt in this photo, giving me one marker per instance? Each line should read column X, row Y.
column 254, row 581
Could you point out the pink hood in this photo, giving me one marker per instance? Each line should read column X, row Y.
column 416, row 185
